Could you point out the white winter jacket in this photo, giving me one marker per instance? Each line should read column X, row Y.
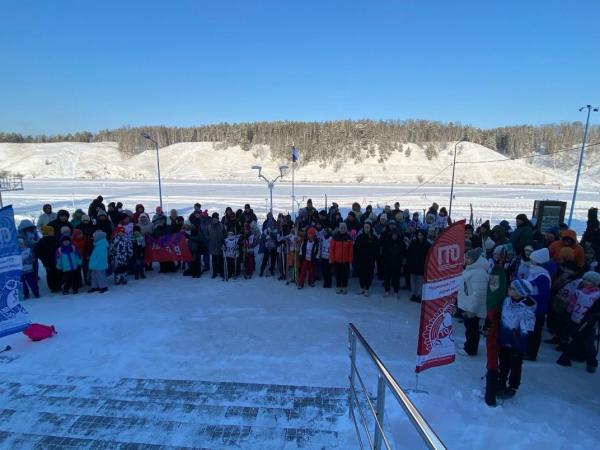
column 472, row 296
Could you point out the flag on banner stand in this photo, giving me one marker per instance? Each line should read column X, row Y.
column 441, row 281
column 295, row 154
column 13, row 317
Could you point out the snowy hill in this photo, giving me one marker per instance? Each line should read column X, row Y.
column 201, row 161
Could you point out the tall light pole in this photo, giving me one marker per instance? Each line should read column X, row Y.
column 147, row 136
column 589, row 108
column 270, row 183
column 463, row 139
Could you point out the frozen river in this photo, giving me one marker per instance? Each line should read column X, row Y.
column 489, row 202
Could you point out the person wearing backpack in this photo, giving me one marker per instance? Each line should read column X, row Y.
column 98, row 264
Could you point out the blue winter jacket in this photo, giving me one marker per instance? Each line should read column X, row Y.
column 99, row 257
column 540, row 278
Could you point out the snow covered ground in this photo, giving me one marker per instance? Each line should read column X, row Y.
column 262, row 331
column 489, row 202
column 476, row 164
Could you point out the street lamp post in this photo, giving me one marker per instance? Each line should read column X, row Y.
column 589, row 108
column 147, row 136
column 463, row 139
column 270, row 183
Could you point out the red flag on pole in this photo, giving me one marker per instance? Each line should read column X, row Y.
column 443, row 274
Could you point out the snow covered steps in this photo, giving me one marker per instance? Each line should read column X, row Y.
column 59, row 412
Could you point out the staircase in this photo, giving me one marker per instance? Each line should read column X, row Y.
column 53, row 412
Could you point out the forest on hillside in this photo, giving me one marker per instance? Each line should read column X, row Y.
column 326, row 142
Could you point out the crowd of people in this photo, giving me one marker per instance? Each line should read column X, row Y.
column 516, row 282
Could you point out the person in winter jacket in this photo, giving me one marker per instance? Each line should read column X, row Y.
column 496, row 292
column 522, row 263
column 84, row 246
column 517, row 321
column 472, row 297
column 563, row 290
column 145, row 224
column 196, row 246
column 103, row 223
column 45, row 250
column 98, row 264
column 523, row 235
column 352, row 223
column 542, row 282
column 230, row 253
column 76, row 217
column 324, row 246
column 585, row 315
column 309, row 252
column 568, row 240
column 46, row 217
column 393, row 256
column 249, row 244
column 61, row 221
column 215, row 246
column 138, row 242
column 121, row 251
column 268, row 246
column 442, row 220
column 139, row 210
column 68, row 261
column 591, row 235
column 95, row 207
column 416, row 256
column 340, row 256
column 366, row 249
column 29, row 279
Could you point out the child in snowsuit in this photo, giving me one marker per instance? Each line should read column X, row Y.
column 269, row 244
column 84, row 245
column 517, row 321
column 308, row 254
column 585, row 315
column 28, row 276
column 68, row 261
column 98, row 264
column 138, row 242
column 230, row 250
column 324, row 256
column 121, row 251
column 541, row 280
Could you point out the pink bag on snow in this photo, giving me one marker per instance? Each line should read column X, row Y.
column 39, row 332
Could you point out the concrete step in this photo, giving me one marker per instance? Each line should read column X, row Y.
column 55, row 412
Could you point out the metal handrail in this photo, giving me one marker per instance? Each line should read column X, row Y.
column 430, row 438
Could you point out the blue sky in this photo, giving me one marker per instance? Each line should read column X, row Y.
column 86, row 65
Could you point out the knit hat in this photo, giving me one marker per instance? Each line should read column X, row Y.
column 474, row 254
column 312, row 232
column 158, row 210
column 489, row 244
column 25, row 224
column 541, row 256
column 85, row 217
column 215, row 215
column 499, row 250
column 592, row 277
column 522, row 217
column 383, row 218
column 47, row 231
column 523, row 287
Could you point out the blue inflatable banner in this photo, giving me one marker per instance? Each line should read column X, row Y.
column 13, row 317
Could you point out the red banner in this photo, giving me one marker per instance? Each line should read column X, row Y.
column 170, row 247
column 443, row 275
